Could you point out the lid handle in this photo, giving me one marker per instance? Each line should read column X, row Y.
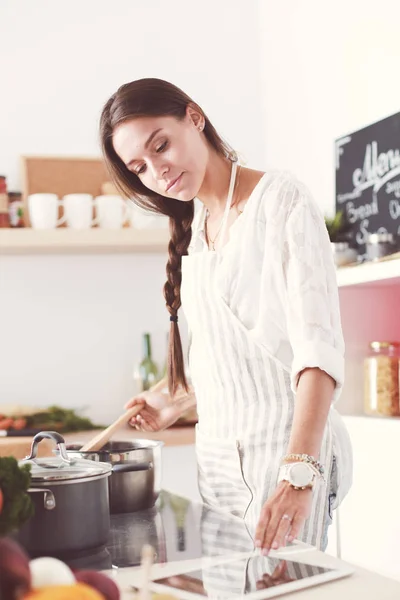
column 51, row 435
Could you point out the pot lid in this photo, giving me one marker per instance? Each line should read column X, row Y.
column 56, row 469
column 61, row 467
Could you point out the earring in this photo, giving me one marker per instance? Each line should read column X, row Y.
column 200, row 127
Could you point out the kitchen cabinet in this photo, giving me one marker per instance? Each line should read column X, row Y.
column 369, row 302
column 369, row 517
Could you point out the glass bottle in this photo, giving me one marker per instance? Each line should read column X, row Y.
column 382, row 379
column 148, row 370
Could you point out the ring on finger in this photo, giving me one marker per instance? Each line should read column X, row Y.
column 286, row 517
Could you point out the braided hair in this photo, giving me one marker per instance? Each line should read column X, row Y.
column 155, row 98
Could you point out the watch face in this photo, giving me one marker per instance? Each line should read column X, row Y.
column 300, row 474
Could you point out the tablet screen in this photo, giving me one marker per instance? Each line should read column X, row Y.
column 244, row 577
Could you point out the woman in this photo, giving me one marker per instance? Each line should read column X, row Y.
column 254, row 271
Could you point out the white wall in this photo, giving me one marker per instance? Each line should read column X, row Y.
column 329, row 68
column 73, row 323
column 62, row 60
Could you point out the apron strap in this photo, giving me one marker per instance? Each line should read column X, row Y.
column 203, row 210
column 228, row 203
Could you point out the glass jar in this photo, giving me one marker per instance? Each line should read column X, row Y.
column 4, row 216
column 382, row 379
column 16, row 209
column 379, row 245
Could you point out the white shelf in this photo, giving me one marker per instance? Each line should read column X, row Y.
column 87, row 241
column 379, row 273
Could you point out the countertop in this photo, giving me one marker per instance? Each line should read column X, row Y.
column 19, row 446
column 185, row 534
column 183, row 435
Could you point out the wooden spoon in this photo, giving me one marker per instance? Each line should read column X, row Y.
column 101, row 439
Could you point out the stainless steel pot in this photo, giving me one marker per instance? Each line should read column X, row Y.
column 135, row 483
column 71, row 502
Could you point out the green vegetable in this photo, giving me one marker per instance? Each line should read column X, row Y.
column 17, row 504
column 337, row 227
column 61, row 420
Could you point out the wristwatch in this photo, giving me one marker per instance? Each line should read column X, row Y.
column 300, row 475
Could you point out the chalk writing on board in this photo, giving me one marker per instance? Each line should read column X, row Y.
column 368, row 179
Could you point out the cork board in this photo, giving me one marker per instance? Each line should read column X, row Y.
column 62, row 175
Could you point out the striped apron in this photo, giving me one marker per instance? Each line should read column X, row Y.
column 244, row 401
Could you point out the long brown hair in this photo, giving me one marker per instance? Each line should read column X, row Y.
column 156, row 98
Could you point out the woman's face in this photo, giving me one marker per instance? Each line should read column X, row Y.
column 169, row 156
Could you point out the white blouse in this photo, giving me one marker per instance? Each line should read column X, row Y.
column 278, row 277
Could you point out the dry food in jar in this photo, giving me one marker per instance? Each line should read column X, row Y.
column 382, row 379
column 4, row 216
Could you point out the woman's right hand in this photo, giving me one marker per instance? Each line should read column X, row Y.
column 157, row 414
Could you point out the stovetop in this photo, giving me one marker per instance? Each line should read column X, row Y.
column 176, row 528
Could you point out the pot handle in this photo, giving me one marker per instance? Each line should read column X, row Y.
column 51, row 435
column 49, row 502
column 130, row 468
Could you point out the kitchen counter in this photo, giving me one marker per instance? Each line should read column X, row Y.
column 182, row 435
column 19, row 446
column 184, row 532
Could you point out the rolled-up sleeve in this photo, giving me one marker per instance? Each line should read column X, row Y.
column 312, row 300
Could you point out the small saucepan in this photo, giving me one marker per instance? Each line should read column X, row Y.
column 71, row 501
column 135, row 482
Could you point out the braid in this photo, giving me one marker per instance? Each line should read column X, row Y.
column 181, row 234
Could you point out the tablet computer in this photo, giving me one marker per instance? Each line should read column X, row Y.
column 253, row 578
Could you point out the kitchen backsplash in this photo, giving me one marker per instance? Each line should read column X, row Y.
column 72, row 328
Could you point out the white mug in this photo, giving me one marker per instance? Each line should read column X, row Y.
column 78, row 210
column 43, row 211
column 111, row 211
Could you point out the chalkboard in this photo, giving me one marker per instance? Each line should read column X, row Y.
column 368, row 179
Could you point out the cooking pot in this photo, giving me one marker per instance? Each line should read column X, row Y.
column 135, row 483
column 71, row 502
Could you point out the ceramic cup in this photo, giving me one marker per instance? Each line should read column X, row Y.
column 43, row 211
column 78, row 210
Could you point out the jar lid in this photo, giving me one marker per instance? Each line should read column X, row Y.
column 62, row 467
column 378, row 238
column 381, row 345
column 340, row 246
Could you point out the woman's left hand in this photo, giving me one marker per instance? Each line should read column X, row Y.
column 282, row 517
